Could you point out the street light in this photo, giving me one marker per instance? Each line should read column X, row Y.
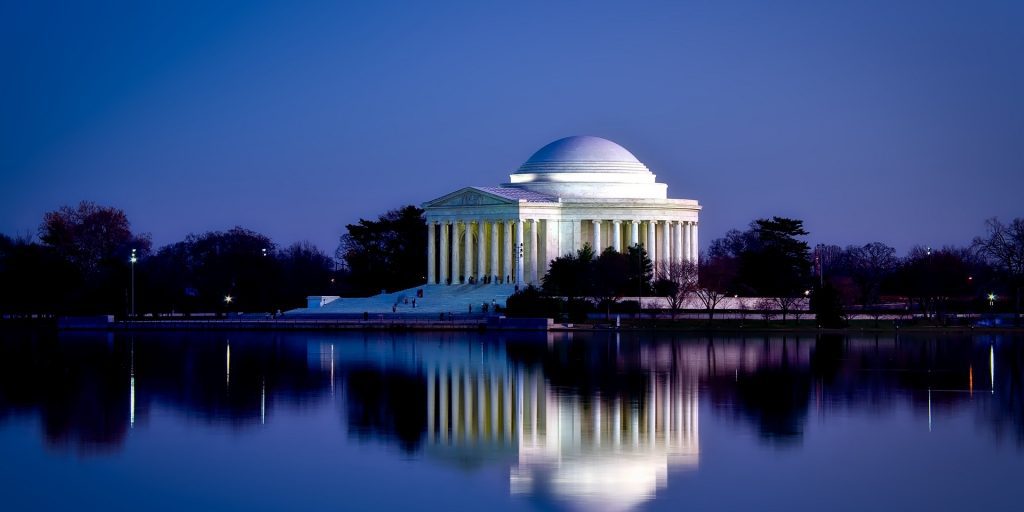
column 520, row 258
column 133, row 259
column 228, row 299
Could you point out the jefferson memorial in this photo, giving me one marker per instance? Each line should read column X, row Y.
column 574, row 191
column 485, row 242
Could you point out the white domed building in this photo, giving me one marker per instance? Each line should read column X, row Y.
column 574, row 191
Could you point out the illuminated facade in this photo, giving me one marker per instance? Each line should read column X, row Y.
column 574, row 191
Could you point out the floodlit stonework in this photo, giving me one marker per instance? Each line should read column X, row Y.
column 574, row 191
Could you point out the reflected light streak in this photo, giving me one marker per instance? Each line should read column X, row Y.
column 263, row 402
column 227, row 370
column 992, row 368
column 131, row 404
column 929, row 409
column 131, row 391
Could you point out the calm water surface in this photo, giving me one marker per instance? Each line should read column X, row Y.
column 381, row 421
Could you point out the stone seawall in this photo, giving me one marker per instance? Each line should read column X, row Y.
column 301, row 325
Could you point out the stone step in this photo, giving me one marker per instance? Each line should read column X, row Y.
column 436, row 299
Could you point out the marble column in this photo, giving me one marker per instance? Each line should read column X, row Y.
column 650, row 242
column 634, row 233
column 534, row 250
column 494, row 252
column 677, row 246
column 456, row 251
column 666, row 243
column 481, row 253
column 597, row 237
column 468, row 261
column 519, row 249
column 617, row 235
column 506, row 233
column 687, row 253
column 693, row 242
column 431, row 254
column 445, row 231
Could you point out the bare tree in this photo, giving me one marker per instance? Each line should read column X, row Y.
column 870, row 265
column 676, row 281
column 714, row 276
column 709, row 297
column 743, row 310
column 1003, row 245
column 764, row 305
column 785, row 304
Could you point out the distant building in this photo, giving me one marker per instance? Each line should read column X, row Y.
column 574, row 191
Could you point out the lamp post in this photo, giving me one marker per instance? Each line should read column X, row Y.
column 819, row 265
column 520, row 268
column 133, row 259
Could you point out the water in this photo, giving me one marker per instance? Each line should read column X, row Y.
column 440, row 421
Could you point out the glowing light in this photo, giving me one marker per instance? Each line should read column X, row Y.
column 227, row 370
column 991, row 296
column 228, row 299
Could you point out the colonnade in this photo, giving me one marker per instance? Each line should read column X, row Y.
column 509, row 250
column 510, row 256
column 671, row 241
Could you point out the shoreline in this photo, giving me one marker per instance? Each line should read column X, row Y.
column 481, row 324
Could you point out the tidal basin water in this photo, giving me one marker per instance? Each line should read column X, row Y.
column 466, row 421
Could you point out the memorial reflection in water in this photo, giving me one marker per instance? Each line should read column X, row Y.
column 616, row 449
column 614, row 444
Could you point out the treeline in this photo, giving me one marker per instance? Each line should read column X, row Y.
column 84, row 259
column 83, row 263
column 770, row 259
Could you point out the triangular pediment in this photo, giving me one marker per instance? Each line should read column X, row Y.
column 468, row 196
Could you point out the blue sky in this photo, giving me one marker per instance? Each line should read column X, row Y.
column 900, row 122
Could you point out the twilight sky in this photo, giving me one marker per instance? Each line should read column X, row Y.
column 895, row 121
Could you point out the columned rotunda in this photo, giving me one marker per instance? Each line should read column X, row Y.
column 574, row 191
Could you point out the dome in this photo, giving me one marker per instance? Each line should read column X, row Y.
column 582, row 153
column 582, row 167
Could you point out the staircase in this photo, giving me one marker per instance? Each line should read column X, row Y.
column 436, row 299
